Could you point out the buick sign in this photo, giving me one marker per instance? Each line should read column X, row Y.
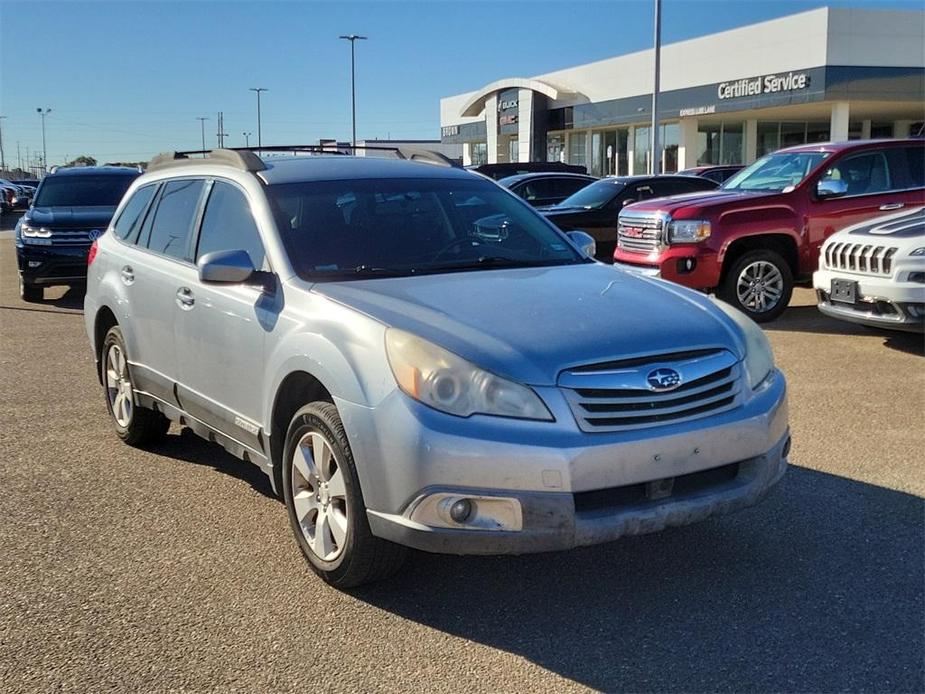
column 664, row 379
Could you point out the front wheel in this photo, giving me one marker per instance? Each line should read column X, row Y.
column 325, row 503
column 759, row 284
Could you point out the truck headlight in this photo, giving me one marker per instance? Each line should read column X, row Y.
column 440, row 379
column 34, row 232
column 688, row 230
column 918, row 251
column 759, row 359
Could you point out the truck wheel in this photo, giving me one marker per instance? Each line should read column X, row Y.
column 135, row 425
column 325, row 504
column 29, row 292
column 759, row 284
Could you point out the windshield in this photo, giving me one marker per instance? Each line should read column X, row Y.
column 82, row 191
column 362, row 228
column 777, row 173
column 594, row 196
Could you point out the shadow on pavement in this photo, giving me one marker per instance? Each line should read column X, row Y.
column 808, row 319
column 819, row 588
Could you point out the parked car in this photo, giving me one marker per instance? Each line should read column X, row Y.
column 417, row 358
column 72, row 207
column 543, row 189
column 873, row 273
column 715, row 172
column 505, row 169
column 594, row 208
column 16, row 196
column 762, row 231
column 8, row 193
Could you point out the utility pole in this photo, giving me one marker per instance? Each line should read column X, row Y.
column 656, row 155
column 221, row 130
column 259, row 131
column 43, row 113
column 202, row 124
column 353, row 38
column 18, row 156
column 2, row 158
column 247, row 139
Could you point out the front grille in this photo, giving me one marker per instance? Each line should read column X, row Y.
column 616, row 396
column 71, row 236
column 864, row 258
column 636, row 234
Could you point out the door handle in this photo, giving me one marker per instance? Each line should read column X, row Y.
column 892, row 206
column 185, row 298
column 128, row 274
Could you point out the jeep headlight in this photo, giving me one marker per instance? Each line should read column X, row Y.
column 34, row 232
column 759, row 359
column 440, row 379
column 918, row 252
column 688, row 230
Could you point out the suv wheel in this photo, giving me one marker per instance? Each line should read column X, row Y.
column 136, row 425
column 759, row 284
column 325, row 504
column 30, row 292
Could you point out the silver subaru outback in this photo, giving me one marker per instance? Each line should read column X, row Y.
column 418, row 359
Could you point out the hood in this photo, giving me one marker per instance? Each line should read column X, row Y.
column 528, row 324
column 71, row 216
column 694, row 204
column 894, row 228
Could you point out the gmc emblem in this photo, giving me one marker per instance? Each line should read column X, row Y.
column 634, row 232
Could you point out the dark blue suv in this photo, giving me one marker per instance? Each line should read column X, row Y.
column 71, row 209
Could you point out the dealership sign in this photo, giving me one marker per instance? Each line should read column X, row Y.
column 767, row 84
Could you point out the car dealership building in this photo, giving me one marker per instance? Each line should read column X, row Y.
column 726, row 98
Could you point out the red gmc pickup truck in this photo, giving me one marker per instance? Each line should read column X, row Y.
column 761, row 232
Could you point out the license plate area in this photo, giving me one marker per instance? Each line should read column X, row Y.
column 844, row 291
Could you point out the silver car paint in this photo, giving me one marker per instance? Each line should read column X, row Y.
column 231, row 351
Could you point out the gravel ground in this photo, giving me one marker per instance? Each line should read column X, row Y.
column 174, row 569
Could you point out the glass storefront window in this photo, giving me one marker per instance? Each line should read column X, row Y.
column 555, row 148
column 597, row 154
column 576, row 149
column 479, row 153
column 878, row 130
column 513, row 150
column 773, row 135
column 669, row 139
column 641, row 151
column 768, row 137
column 733, row 143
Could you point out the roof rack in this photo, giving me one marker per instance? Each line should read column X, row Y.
column 247, row 159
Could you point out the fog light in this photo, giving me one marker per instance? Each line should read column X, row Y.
column 461, row 510
column 35, row 263
column 686, row 265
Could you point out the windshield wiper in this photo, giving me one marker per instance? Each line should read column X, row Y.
column 373, row 270
column 498, row 262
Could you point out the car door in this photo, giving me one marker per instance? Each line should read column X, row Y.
column 151, row 270
column 874, row 188
column 220, row 339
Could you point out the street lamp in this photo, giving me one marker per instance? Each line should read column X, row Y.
column 247, row 139
column 202, row 122
column 44, row 112
column 259, row 132
column 656, row 155
column 353, row 38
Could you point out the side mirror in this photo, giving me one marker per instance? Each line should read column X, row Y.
column 628, row 201
column 225, row 267
column 585, row 242
column 831, row 188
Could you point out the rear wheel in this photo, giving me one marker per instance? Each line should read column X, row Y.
column 325, row 503
column 30, row 292
column 759, row 284
column 136, row 425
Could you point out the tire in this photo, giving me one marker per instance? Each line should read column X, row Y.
column 29, row 292
column 325, row 503
column 760, row 284
column 136, row 425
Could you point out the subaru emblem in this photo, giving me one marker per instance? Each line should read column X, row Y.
column 94, row 234
column 663, row 379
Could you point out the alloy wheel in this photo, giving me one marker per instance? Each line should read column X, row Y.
column 119, row 386
column 319, row 496
column 760, row 286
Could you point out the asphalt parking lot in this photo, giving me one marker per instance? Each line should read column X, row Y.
column 175, row 569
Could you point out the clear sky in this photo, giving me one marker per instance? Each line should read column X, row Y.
column 125, row 80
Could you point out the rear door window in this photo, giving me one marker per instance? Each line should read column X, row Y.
column 173, row 218
column 129, row 222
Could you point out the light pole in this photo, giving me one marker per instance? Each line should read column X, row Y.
column 656, row 155
column 259, row 132
column 44, row 112
column 247, row 139
column 353, row 38
column 202, row 124
column 2, row 158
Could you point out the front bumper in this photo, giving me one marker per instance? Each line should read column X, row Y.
column 52, row 265
column 691, row 265
column 572, row 488
column 882, row 302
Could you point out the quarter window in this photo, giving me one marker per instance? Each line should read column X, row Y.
column 173, row 218
column 126, row 227
column 228, row 225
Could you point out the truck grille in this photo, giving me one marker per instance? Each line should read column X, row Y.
column 616, row 396
column 71, row 236
column 639, row 234
column 860, row 257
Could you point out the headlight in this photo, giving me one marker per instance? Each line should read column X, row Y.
column 918, row 251
column 688, row 230
column 759, row 360
column 35, row 232
column 440, row 379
